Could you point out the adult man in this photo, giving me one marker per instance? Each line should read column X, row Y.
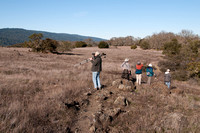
column 167, row 78
column 96, row 69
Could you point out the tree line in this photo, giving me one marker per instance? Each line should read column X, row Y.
column 37, row 44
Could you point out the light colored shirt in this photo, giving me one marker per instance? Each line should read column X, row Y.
column 125, row 65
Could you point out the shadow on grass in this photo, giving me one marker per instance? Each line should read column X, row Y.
column 173, row 87
column 62, row 53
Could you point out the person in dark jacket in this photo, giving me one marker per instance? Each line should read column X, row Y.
column 138, row 72
column 150, row 73
column 96, row 69
column 167, row 78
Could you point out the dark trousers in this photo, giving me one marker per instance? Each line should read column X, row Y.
column 125, row 74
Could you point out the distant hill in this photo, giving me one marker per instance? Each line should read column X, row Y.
column 10, row 36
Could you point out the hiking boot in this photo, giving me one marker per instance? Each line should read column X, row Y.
column 103, row 86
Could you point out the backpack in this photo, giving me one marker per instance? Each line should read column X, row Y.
column 148, row 73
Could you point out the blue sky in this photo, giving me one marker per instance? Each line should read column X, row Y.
column 102, row 18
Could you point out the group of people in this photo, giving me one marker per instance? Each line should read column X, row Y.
column 138, row 72
column 97, row 68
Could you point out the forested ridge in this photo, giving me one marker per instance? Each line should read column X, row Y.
column 10, row 36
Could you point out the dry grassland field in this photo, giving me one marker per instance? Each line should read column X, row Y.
column 46, row 93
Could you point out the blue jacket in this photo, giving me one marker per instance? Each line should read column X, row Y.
column 138, row 71
column 149, row 71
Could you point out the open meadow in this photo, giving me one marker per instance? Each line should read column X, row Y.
column 47, row 93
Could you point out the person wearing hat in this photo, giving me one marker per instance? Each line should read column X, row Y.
column 150, row 73
column 138, row 72
column 126, row 69
column 96, row 69
column 167, row 78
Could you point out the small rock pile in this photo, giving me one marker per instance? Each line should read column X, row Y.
column 123, row 84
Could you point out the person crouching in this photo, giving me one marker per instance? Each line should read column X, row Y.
column 126, row 69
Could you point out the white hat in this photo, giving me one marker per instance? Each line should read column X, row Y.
column 96, row 53
column 150, row 65
column 126, row 60
column 168, row 70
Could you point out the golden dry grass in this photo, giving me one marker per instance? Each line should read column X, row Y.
column 35, row 86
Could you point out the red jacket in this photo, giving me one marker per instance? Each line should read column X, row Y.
column 139, row 67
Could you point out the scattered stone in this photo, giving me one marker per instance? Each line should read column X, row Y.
column 123, row 84
column 115, row 112
column 92, row 129
column 121, row 87
column 121, row 101
column 117, row 82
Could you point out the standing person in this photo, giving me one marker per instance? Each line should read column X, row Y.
column 167, row 78
column 96, row 69
column 126, row 69
column 150, row 73
column 138, row 72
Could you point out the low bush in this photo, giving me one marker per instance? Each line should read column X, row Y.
column 48, row 45
column 80, row 44
column 182, row 60
column 144, row 45
column 194, row 69
column 89, row 45
column 103, row 44
column 133, row 46
column 172, row 48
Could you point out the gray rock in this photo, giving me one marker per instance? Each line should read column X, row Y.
column 117, row 82
column 120, row 101
column 122, row 87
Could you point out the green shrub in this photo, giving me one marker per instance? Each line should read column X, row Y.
column 103, row 44
column 133, row 46
column 172, row 48
column 194, row 69
column 80, row 44
column 49, row 45
column 144, row 45
column 89, row 45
